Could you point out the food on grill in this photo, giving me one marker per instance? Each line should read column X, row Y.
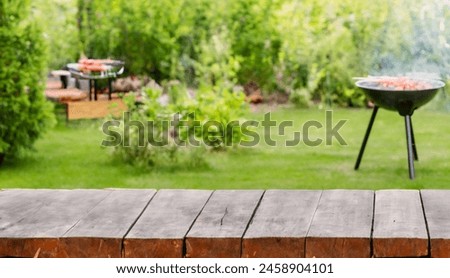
column 91, row 65
column 402, row 94
column 401, row 83
column 97, row 67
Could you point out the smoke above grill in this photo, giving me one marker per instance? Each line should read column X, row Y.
column 424, row 50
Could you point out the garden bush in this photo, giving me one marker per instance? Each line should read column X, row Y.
column 179, row 131
column 24, row 112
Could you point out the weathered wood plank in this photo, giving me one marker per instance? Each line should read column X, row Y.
column 342, row 225
column 100, row 233
column 161, row 229
column 399, row 224
column 280, row 225
column 437, row 211
column 219, row 229
column 34, row 220
column 15, row 206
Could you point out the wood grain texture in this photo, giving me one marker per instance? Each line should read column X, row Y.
column 436, row 205
column 342, row 224
column 100, row 233
column 280, row 225
column 399, row 224
column 219, row 229
column 34, row 220
column 224, row 223
column 161, row 229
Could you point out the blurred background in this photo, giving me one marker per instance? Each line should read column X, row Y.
column 304, row 50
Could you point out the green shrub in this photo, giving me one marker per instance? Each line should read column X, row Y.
column 180, row 132
column 301, row 98
column 218, row 112
column 216, row 64
column 24, row 112
column 256, row 40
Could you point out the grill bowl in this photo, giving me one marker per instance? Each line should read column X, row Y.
column 402, row 101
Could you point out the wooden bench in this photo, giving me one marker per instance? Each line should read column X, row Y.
column 224, row 223
column 65, row 95
column 63, row 75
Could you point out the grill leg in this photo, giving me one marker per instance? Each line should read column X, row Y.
column 109, row 88
column 95, row 89
column 366, row 137
column 409, row 143
column 416, row 157
column 90, row 89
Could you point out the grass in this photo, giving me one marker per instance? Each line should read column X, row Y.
column 70, row 156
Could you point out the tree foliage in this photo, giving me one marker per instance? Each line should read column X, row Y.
column 312, row 46
column 24, row 112
column 58, row 22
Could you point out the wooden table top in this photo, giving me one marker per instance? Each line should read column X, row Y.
column 224, row 223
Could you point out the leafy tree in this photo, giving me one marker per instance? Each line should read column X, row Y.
column 255, row 41
column 24, row 112
column 309, row 48
column 57, row 19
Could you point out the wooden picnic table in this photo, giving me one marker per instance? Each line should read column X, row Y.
column 224, row 223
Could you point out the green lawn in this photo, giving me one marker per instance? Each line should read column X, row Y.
column 70, row 156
